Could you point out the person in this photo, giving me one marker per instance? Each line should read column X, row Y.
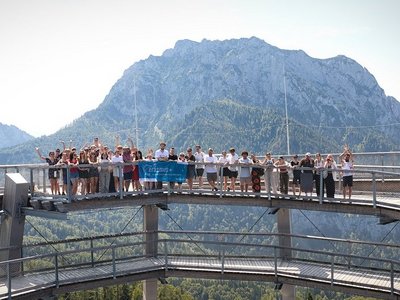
column 93, row 172
column 83, row 172
column 181, row 160
column 306, row 177
column 199, row 155
column 128, row 168
column 104, row 174
column 172, row 157
column 245, row 174
column 211, row 169
column 347, row 167
column 161, row 155
column 233, row 159
column 191, row 169
column 53, row 173
column 319, row 165
column 294, row 165
column 270, row 181
column 149, row 184
column 330, row 166
column 117, row 161
column 282, row 166
column 74, row 172
column 224, row 169
column 64, row 162
column 136, row 157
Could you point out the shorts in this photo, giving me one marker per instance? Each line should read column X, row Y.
column 233, row 174
column 74, row 176
column 54, row 174
column 226, row 172
column 128, row 175
column 212, row 176
column 93, row 172
column 296, row 180
column 348, row 181
column 83, row 174
column 191, row 172
column 199, row 172
column 245, row 180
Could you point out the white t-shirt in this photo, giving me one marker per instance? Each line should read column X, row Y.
column 244, row 171
column 161, row 154
column 347, row 167
column 232, row 159
column 114, row 161
column 210, row 168
column 199, row 156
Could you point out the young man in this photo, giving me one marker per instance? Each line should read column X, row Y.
column 306, row 178
column 172, row 157
column 211, row 169
column 347, row 167
column 233, row 159
column 294, row 164
column 161, row 155
column 245, row 173
column 199, row 155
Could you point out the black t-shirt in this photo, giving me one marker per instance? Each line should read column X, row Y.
column 307, row 163
column 173, row 157
column 296, row 172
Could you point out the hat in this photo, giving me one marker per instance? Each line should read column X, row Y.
column 163, row 143
column 281, row 157
column 245, row 153
column 308, row 154
column 210, row 149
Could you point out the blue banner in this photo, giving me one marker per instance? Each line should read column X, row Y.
column 162, row 171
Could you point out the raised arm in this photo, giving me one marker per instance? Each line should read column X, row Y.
column 39, row 154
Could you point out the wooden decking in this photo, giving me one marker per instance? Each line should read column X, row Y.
column 359, row 281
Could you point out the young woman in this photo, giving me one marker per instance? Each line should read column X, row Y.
column 104, row 174
column 53, row 173
column 74, row 171
column 330, row 165
column 83, row 172
column 117, row 162
column 93, row 172
column 191, row 169
column 225, row 170
column 136, row 156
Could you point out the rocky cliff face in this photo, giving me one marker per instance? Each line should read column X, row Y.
column 11, row 136
column 330, row 101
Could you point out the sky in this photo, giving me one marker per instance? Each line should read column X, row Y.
column 60, row 58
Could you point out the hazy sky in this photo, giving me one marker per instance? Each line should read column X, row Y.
column 60, row 58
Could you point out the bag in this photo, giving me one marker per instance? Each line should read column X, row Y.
column 325, row 174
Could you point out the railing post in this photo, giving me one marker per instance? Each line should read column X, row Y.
column 56, row 270
column 349, row 253
column 221, row 179
column 321, row 186
column 275, row 264
column 44, row 180
column 113, row 262
column 91, row 252
column 332, row 268
column 391, row 278
column 21, row 254
column 374, row 189
column 223, row 261
column 9, row 281
column 166, row 255
column 32, row 186
column 68, row 185
column 121, row 183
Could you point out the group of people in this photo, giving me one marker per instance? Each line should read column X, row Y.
column 96, row 168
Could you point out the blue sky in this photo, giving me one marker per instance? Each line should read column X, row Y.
column 60, row 58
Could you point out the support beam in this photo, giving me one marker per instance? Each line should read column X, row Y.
column 150, row 225
column 12, row 225
column 284, row 226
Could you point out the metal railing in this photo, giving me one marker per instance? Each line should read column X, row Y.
column 202, row 245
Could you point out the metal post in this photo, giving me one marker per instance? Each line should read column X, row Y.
column 44, row 181
column 56, row 270
column 321, row 186
column 349, row 253
column 91, row 252
column 332, row 267
column 9, row 280
column 391, row 278
column 166, row 255
column 69, row 185
column 32, row 186
column 21, row 253
column 374, row 189
column 221, row 179
column 275, row 264
column 121, row 183
column 223, row 261
column 113, row 262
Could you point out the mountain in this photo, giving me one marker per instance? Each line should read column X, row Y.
column 11, row 135
column 197, row 91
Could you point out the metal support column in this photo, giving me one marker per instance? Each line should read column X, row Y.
column 150, row 226
column 12, row 227
column 284, row 226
